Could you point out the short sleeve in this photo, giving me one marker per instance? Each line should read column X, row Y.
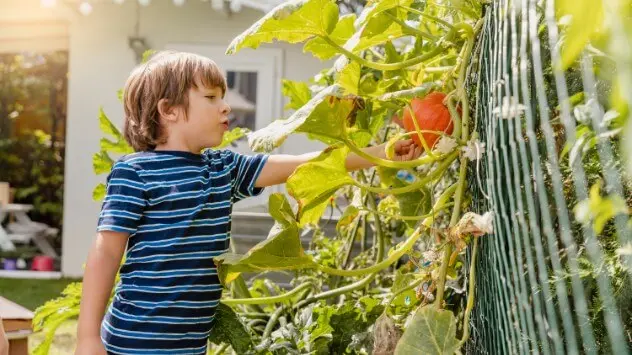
column 124, row 200
column 245, row 170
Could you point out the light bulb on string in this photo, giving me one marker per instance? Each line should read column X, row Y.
column 85, row 8
column 47, row 3
column 118, row 2
column 179, row 2
column 144, row 2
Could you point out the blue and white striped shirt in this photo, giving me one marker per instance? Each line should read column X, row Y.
column 176, row 206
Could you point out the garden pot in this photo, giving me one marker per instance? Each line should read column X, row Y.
column 43, row 263
column 9, row 264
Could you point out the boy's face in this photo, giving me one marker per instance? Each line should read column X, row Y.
column 207, row 117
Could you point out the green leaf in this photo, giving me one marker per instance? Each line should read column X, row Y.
column 50, row 316
column 349, row 78
column 322, row 117
column 282, row 250
column 233, row 135
column 314, row 182
column 413, row 203
column 147, row 55
column 298, row 92
column 349, row 215
column 119, row 95
column 227, row 328
column 586, row 18
column 432, row 331
column 293, row 22
column 98, row 193
column 340, row 35
column 598, row 209
column 378, row 7
column 394, row 30
column 107, row 127
column 115, row 147
column 352, row 318
column 102, row 163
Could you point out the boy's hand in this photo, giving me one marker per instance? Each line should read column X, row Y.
column 90, row 345
column 406, row 150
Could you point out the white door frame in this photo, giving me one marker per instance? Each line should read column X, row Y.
column 268, row 63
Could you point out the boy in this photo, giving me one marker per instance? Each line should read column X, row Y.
column 168, row 209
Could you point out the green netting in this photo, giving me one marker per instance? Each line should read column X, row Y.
column 546, row 283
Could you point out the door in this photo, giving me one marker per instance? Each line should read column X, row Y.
column 254, row 94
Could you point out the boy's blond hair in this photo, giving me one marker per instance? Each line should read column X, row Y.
column 167, row 75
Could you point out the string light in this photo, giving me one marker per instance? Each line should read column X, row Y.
column 144, row 2
column 179, row 2
column 48, row 3
column 85, row 8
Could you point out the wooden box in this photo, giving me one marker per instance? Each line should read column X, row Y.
column 16, row 321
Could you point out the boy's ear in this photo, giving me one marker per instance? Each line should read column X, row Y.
column 167, row 111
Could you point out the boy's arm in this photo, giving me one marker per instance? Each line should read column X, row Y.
column 101, row 267
column 279, row 167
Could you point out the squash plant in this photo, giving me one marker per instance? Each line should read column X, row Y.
column 399, row 58
column 404, row 292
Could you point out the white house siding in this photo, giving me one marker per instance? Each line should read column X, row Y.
column 99, row 63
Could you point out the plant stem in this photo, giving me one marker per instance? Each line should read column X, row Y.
column 406, row 218
column 336, row 292
column 435, row 174
column 272, row 322
column 409, row 287
column 241, row 291
column 392, row 163
column 271, row 299
column 411, row 30
column 456, row 212
column 385, row 66
column 398, row 252
column 221, row 349
column 470, row 296
column 429, row 17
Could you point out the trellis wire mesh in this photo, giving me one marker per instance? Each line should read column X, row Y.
column 546, row 283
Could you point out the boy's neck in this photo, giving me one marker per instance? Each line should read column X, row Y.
column 177, row 146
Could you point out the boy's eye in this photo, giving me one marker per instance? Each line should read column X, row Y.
column 212, row 97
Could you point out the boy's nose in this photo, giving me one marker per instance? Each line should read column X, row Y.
column 226, row 109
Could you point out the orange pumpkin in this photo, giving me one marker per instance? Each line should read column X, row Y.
column 432, row 115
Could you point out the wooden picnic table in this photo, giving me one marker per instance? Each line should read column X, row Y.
column 28, row 230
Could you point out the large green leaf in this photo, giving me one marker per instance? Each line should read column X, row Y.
column 120, row 146
column 313, row 183
column 323, row 117
column 102, row 163
column 293, row 22
column 298, row 92
column 233, row 135
column 98, row 193
column 432, row 331
column 227, row 328
column 107, row 127
column 586, row 18
column 282, row 249
column 340, row 35
column 378, row 7
column 349, row 78
column 351, row 319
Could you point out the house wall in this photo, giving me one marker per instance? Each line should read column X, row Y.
column 99, row 62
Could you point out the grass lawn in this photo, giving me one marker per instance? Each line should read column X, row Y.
column 34, row 293
column 31, row 293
